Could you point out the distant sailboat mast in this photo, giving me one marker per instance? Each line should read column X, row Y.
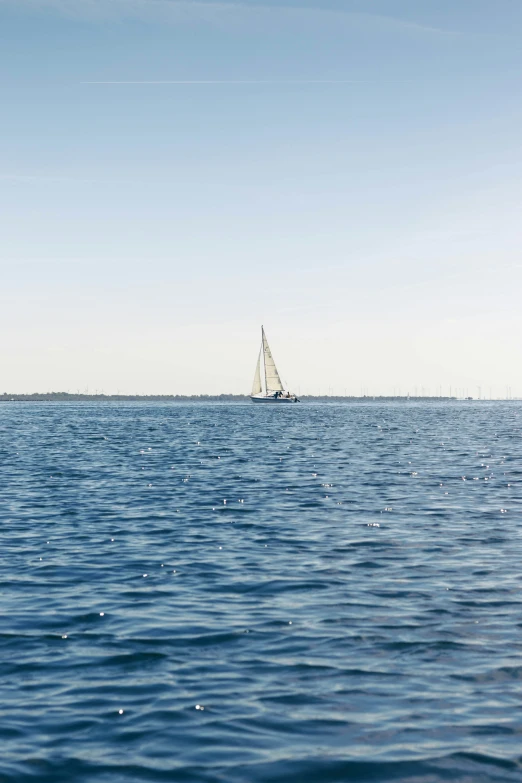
column 272, row 379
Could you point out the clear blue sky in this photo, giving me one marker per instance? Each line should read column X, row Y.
column 347, row 173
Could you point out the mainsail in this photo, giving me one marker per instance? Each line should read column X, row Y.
column 256, row 386
column 273, row 381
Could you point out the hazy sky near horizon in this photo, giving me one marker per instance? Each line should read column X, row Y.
column 173, row 174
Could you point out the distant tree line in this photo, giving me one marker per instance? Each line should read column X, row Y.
column 68, row 397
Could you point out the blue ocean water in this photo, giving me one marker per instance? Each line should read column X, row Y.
column 241, row 594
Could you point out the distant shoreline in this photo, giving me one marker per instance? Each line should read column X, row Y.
column 202, row 398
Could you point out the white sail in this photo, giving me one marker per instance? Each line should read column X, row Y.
column 273, row 381
column 256, row 386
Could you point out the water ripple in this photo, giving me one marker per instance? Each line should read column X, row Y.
column 230, row 594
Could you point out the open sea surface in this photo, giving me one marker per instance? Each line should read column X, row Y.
column 260, row 594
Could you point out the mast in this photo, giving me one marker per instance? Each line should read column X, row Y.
column 262, row 350
column 272, row 379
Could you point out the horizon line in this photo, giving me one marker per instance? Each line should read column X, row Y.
column 43, row 396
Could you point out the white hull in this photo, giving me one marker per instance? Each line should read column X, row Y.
column 274, row 400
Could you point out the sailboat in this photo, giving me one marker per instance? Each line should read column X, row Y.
column 267, row 386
